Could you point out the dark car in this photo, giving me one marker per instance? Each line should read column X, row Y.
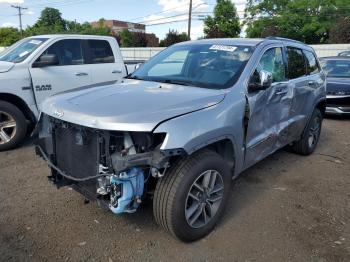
column 344, row 53
column 337, row 69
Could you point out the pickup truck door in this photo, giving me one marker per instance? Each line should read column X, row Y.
column 106, row 64
column 70, row 73
column 269, row 109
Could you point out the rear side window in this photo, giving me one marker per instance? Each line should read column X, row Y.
column 68, row 52
column 99, row 52
column 311, row 63
column 296, row 63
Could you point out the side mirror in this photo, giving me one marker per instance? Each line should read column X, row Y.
column 260, row 81
column 138, row 65
column 46, row 60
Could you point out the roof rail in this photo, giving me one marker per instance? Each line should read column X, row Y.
column 283, row 39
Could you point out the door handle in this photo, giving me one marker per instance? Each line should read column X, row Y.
column 312, row 83
column 81, row 74
column 281, row 92
column 116, row 71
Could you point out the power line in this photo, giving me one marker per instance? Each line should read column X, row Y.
column 19, row 8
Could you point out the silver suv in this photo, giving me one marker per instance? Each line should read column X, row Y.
column 182, row 126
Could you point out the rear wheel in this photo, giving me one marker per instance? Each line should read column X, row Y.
column 190, row 199
column 13, row 126
column 308, row 142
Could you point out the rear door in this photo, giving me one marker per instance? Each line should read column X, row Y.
column 269, row 109
column 304, row 75
column 71, row 72
column 106, row 64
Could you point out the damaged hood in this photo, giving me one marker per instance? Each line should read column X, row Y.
column 5, row 66
column 130, row 106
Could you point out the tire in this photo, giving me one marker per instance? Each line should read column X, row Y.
column 308, row 142
column 172, row 202
column 13, row 126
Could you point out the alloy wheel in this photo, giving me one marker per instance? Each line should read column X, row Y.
column 204, row 198
column 8, row 127
column 314, row 132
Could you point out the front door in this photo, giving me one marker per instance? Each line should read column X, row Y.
column 71, row 72
column 269, row 109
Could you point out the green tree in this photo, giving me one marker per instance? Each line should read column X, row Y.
column 308, row 21
column 49, row 22
column 126, row 38
column 173, row 37
column 224, row 23
column 340, row 31
column 9, row 35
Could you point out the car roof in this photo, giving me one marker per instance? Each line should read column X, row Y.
column 335, row 58
column 71, row 36
column 247, row 41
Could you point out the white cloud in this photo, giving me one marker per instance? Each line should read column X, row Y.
column 9, row 24
column 11, row 1
column 159, row 19
column 181, row 6
column 196, row 31
column 30, row 12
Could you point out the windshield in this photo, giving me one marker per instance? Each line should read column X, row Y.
column 22, row 50
column 336, row 68
column 201, row 65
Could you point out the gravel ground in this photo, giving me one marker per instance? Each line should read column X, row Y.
column 286, row 208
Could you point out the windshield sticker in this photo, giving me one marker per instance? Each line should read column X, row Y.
column 226, row 48
column 35, row 42
column 23, row 54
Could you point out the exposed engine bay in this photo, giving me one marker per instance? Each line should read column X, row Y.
column 116, row 169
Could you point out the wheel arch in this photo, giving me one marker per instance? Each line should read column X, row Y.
column 20, row 103
column 224, row 146
column 321, row 105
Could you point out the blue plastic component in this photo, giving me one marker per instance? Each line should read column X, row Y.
column 127, row 189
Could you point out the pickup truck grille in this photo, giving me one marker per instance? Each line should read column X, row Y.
column 77, row 151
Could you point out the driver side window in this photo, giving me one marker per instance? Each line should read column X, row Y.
column 272, row 61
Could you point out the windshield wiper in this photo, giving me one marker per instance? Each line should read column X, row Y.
column 176, row 82
column 133, row 77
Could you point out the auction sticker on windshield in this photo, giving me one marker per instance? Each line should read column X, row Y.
column 35, row 42
column 227, row 48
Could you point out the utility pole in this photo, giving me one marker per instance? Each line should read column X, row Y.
column 189, row 20
column 19, row 8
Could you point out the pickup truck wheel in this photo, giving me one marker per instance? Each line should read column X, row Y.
column 13, row 126
column 308, row 142
column 190, row 199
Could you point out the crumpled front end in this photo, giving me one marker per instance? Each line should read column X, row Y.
column 114, row 168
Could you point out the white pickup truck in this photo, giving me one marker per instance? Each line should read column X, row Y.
column 37, row 67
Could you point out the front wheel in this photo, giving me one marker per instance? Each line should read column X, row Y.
column 191, row 198
column 13, row 126
column 308, row 142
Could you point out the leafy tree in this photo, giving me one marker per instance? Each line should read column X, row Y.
column 340, row 32
column 173, row 37
column 224, row 23
column 140, row 39
column 49, row 22
column 126, row 38
column 305, row 20
column 9, row 35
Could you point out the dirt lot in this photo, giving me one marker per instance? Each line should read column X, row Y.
column 287, row 208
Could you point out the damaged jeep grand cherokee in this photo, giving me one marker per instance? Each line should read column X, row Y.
column 182, row 126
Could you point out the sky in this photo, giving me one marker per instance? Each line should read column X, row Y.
column 153, row 13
